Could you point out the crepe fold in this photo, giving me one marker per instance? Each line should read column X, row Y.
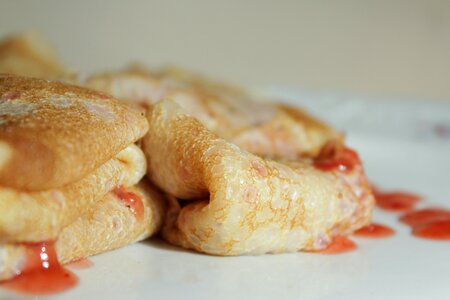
column 267, row 129
column 70, row 173
column 52, row 134
column 234, row 202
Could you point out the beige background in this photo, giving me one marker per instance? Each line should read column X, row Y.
column 388, row 48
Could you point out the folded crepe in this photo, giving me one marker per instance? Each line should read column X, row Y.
column 271, row 130
column 267, row 129
column 227, row 201
column 233, row 202
column 30, row 54
column 68, row 173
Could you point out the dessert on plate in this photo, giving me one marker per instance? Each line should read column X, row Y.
column 239, row 174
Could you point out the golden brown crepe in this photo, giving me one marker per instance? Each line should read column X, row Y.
column 271, row 130
column 68, row 168
column 49, row 129
column 235, row 202
column 30, row 54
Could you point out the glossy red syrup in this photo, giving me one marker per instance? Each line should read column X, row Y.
column 132, row 201
column 375, row 230
column 396, row 201
column 435, row 230
column 340, row 244
column 343, row 161
column 426, row 215
column 42, row 273
column 82, row 263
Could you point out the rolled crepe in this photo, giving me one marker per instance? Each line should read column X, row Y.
column 68, row 172
column 235, row 202
column 267, row 129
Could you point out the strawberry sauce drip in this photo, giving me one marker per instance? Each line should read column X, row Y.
column 435, row 230
column 42, row 274
column 425, row 215
column 396, row 201
column 375, row 230
column 340, row 244
column 429, row 223
column 132, row 201
column 344, row 160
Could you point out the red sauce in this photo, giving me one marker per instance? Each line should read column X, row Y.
column 81, row 263
column 42, row 273
column 396, row 201
column 428, row 223
column 425, row 216
column 436, row 230
column 375, row 230
column 132, row 201
column 343, row 161
column 340, row 244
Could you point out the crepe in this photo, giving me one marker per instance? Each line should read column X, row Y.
column 235, row 203
column 30, row 54
column 271, row 130
column 108, row 224
column 240, row 173
column 68, row 172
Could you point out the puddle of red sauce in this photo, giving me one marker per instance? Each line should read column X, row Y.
column 81, row 263
column 344, row 161
column 42, row 273
column 396, row 201
column 429, row 223
column 375, row 230
column 435, row 230
column 132, row 201
column 425, row 215
column 340, row 244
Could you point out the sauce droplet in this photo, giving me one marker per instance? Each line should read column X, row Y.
column 375, row 230
column 396, row 201
column 343, row 161
column 340, row 244
column 42, row 273
column 425, row 216
column 132, row 201
column 436, row 230
column 81, row 263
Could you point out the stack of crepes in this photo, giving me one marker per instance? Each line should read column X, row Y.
column 238, row 175
column 71, row 175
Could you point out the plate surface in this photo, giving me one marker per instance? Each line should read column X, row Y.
column 404, row 144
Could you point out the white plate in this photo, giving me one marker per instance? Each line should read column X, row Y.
column 404, row 144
